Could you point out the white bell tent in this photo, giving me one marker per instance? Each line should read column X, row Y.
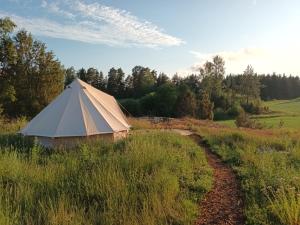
column 80, row 111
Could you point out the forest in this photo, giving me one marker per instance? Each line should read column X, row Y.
column 31, row 77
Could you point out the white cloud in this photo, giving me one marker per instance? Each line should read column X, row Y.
column 235, row 61
column 95, row 23
column 54, row 8
column 44, row 4
column 122, row 23
column 280, row 59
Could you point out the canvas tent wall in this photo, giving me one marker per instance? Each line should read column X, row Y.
column 80, row 111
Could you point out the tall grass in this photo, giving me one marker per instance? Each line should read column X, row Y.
column 150, row 178
column 269, row 168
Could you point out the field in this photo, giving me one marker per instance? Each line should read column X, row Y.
column 267, row 163
column 284, row 113
column 150, row 178
column 153, row 177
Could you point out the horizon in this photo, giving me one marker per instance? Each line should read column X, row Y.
column 167, row 37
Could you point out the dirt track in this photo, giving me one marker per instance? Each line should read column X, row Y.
column 223, row 205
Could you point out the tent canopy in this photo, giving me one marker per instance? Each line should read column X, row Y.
column 80, row 110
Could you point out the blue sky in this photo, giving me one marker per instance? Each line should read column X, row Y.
column 167, row 35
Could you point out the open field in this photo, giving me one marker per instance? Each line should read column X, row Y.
column 153, row 177
column 267, row 163
column 284, row 113
column 150, row 178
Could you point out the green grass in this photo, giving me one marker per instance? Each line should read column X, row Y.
column 269, row 169
column 284, row 114
column 285, row 106
column 149, row 178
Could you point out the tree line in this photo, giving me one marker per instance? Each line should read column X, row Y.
column 31, row 77
column 205, row 95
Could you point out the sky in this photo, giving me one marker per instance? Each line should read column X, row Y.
column 171, row 36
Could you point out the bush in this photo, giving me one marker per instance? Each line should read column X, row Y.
column 131, row 105
column 147, row 104
column 254, row 108
column 220, row 114
column 234, row 110
column 243, row 120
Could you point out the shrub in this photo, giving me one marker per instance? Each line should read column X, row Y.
column 131, row 105
column 147, row 104
column 243, row 120
column 220, row 114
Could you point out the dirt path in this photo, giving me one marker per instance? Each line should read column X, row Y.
column 223, row 205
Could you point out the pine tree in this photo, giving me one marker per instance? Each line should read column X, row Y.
column 205, row 107
column 70, row 75
column 186, row 104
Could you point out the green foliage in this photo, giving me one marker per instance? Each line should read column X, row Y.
column 150, row 178
column 70, row 75
column 162, row 79
column 250, row 84
column 285, row 204
column 212, row 76
column 132, row 106
column 6, row 26
column 30, row 77
column 166, row 97
column 143, row 80
column 277, row 86
column 243, row 120
column 115, row 82
column 206, row 107
column 186, row 104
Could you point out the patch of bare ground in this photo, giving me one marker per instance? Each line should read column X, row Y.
column 223, row 205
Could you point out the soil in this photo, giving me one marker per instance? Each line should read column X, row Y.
column 223, row 205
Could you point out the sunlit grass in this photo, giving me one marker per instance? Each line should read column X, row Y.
column 149, row 178
column 268, row 165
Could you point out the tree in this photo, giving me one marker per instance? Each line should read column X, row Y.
column 115, row 82
column 70, row 75
column 81, row 74
column 91, row 76
column 7, row 60
column 100, row 81
column 206, row 107
column 212, row 76
column 176, row 79
column 193, row 81
column 162, row 79
column 30, row 75
column 143, row 80
column 250, row 84
column 128, row 87
column 166, row 96
column 186, row 104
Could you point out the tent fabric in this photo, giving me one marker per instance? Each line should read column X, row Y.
column 80, row 110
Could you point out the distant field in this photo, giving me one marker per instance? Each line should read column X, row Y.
column 285, row 112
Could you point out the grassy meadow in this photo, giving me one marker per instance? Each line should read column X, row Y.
column 283, row 114
column 267, row 163
column 150, row 178
column 268, row 166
